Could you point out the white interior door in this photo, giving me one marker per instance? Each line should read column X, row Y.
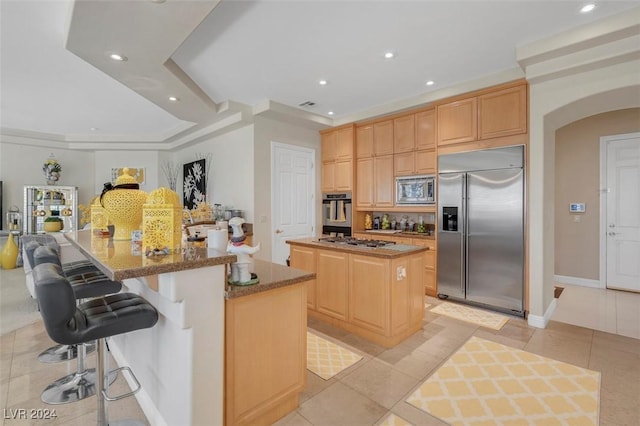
column 292, row 197
column 623, row 212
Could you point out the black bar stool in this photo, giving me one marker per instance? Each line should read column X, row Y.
column 86, row 283
column 98, row 318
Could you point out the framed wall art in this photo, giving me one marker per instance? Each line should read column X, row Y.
column 194, row 186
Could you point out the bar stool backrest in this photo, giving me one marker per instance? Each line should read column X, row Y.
column 57, row 303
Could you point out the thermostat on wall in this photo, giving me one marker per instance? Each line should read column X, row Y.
column 576, row 207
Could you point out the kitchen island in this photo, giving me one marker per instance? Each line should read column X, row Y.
column 374, row 292
column 207, row 330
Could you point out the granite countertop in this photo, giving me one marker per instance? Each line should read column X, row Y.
column 410, row 234
column 271, row 276
column 118, row 261
column 394, row 251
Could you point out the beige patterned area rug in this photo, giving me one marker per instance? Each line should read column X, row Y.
column 491, row 384
column 471, row 315
column 393, row 420
column 326, row 359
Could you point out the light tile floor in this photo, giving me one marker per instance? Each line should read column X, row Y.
column 613, row 311
column 367, row 392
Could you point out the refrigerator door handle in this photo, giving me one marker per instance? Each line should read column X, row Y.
column 462, row 220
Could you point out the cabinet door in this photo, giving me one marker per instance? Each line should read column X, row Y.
column 305, row 258
column 364, row 182
column 403, row 164
column 425, row 162
column 416, row 288
column 368, row 292
column 383, row 138
column 503, row 113
column 426, row 129
column 404, row 134
column 430, row 287
column 343, row 173
column 457, row 122
column 331, row 283
column 384, row 181
column 429, row 260
column 364, row 141
column 344, row 144
column 329, row 141
column 328, row 176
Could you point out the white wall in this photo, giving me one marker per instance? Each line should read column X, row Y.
column 22, row 165
column 266, row 131
column 553, row 104
column 231, row 175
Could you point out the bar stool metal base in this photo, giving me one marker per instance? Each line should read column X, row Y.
column 73, row 387
column 61, row 353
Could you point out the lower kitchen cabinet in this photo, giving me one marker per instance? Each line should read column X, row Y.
column 305, row 259
column 378, row 298
column 331, row 283
column 265, row 355
column 429, row 277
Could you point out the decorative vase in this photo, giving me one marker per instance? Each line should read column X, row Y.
column 9, row 253
column 123, row 203
column 51, row 169
column 53, row 226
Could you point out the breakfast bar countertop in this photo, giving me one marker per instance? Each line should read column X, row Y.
column 118, row 261
column 388, row 252
column 271, row 276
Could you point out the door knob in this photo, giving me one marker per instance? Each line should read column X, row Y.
column 278, row 231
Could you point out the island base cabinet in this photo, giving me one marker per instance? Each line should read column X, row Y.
column 331, row 283
column 265, row 355
column 368, row 294
column 305, row 258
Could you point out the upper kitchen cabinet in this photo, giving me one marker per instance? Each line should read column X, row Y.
column 374, row 187
column 383, row 138
column 503, row 113
column 404, row 134
column 425, row 123
column 337, row 159
column 364, row 141
column 492, row 113
column 457, row 121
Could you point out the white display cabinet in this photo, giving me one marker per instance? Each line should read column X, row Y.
column 44, row 201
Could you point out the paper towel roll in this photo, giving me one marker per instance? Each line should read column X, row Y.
column 217, row 239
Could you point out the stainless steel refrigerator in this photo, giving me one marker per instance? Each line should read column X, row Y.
column 481, row 228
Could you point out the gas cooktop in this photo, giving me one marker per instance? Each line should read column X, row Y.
column 356, row 242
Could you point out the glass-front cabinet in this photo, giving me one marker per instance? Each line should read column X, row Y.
column 50, row 209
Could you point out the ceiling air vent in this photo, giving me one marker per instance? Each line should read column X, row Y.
column 307, row 104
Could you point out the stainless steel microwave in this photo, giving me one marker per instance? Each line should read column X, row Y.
column 415, row 190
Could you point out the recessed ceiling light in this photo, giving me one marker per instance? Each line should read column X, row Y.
column 588, row 8
column 323, row 82
column 118, row 57
column 389, row 55
column 430, row 83
column 330, row 113
column 94, row 129
column 173, row 99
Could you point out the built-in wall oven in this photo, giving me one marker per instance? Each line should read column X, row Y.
column 336, row 213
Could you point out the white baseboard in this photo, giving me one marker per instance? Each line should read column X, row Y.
column 584, row 282
column 146, row 403
column 542, row 321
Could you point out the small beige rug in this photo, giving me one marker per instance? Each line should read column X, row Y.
column 326, row 359
column 492, row 384
column 393, row 420
column 471, row 315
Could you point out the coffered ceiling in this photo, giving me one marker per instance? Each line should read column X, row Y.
column 227, row 60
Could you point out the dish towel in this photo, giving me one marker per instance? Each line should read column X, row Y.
column 341, row 216
column 332, row 210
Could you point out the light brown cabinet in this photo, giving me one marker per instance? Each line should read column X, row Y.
column 331, row 283
column 503, row 113
column 305, row 259
column 337, row 160
column 490, row 115
column 383, row 138
column 425, row 123
column 415, row 163
column 375, row 182
column 364, row 141
column 458, row 122
column 429, row 275
column 265, row 355
column 380, row 299
column 404, row 134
